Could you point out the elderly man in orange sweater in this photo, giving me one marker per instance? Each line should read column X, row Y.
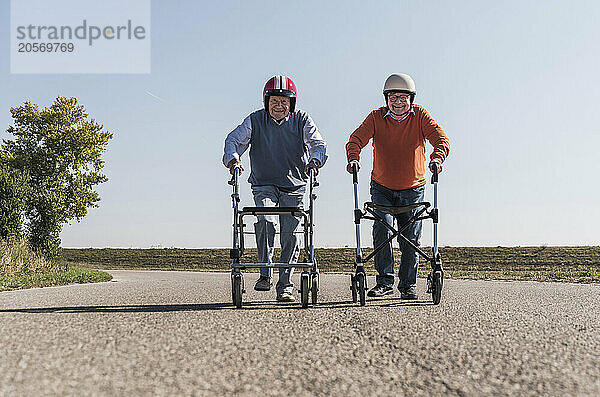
column 399, row 131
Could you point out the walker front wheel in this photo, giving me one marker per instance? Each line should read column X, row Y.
column 361, row 286
column 236, row 290
column 436, row 287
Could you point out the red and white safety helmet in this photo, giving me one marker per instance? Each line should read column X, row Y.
column 280, row 86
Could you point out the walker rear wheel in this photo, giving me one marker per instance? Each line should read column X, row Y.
column 315, row 288
column 353, row 288
column 304, row 290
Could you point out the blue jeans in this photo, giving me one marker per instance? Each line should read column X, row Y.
column 264, row 229
column 384, row 259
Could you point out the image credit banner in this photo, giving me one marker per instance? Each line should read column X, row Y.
column 80, row 36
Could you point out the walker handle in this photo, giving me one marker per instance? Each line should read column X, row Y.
column 234, row 176
column 354, row 174
column 434, row 177
column 313, row 177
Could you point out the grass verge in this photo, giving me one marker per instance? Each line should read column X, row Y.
column 21, row 267
column 71, row 275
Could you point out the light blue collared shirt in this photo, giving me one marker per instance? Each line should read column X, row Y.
column 389, row 113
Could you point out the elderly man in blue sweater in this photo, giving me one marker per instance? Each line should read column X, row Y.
column 284, row 144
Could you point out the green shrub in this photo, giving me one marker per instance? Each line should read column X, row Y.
column 17, row 257
column 60, row 149
column 13, row 191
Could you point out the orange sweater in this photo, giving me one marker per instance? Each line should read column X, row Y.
column 399, row 147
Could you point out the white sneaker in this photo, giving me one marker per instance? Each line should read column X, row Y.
column 285, row 297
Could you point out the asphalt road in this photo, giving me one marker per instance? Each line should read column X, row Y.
column 176, row 333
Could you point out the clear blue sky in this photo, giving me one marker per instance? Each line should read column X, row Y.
column 514, row 84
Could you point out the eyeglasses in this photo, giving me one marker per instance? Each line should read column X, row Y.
column 398, row 97
column 273, row 101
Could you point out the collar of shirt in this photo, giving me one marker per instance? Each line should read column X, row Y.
column 286, row 118
column 411, row 111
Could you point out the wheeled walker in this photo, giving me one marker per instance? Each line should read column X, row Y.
column 309, row 278
column 435, row 279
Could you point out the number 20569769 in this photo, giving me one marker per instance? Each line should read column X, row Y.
column 46, row 47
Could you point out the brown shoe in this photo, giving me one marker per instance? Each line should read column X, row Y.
column 263, row 284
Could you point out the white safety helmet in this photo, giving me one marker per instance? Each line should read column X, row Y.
column 400, row 82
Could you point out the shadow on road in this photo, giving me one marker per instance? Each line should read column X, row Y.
column 124, row 308
column 250, row 305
